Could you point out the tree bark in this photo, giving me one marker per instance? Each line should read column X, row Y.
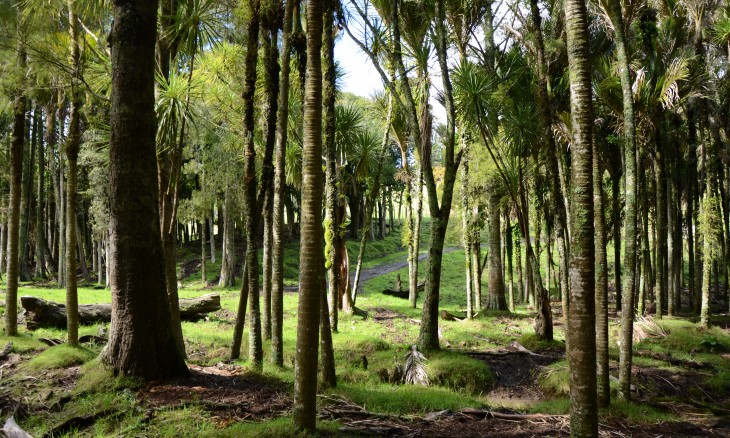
column 228, row 258
column 599, row 223
column 332, row 233
column 632, row 188
column 40, row 240
column 16, row 177
column 139, row 297
column 311, row 260
column 25, row 197
column 250, row 209
column 496, row 300
column 73, row 144
column 277, row 268
column 581, row 327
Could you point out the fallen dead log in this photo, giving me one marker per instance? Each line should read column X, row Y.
column 448, row 316
column 486, row 413
column 396, row 293
column 42, row 313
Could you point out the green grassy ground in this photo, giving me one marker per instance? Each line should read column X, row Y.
column 457, row 381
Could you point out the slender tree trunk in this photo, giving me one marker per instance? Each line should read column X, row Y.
column 332, row 233
column 599, row 223
column 631, row 207
column 40, row 241
column 73, row 144
column 671, row 277
column 139, row 297
column 466, row 230
column 3, row 245
column 277, row 268
column 329, row 377
column 240, row 314
column 661, row 230
column 581, row 326
column 271, row 89
column 16, row 177
column 311, row 264
column 25, row 197
column 616, row 212
column 212, row 238
column 496, row 300
column 228, row 258
column 557, row 206
column 61, row 212
column 203, row 273
column 373, row 195
column 249, row 177
column 476, row 260
column 510, row 272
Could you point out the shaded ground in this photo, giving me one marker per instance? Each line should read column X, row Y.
column 484, row 423
column 224, row 391
column 516, row 373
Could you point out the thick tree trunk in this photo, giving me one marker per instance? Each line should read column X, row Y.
column 581, row 327
column 311, row 263
column 139, row 297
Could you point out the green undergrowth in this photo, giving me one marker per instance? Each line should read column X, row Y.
column 460, row 373
column 406, row 399
column 638, row 412
column 22, row 343
column 94, row 377
column 554, row 378
column 60, row 356
column 276, row 428
column 532, row 342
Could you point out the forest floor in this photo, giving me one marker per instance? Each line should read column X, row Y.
column 491, row 378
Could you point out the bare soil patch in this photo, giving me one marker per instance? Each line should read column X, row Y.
column 223, row 390
column 515, row 372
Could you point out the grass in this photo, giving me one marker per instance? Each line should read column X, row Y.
column 60, row 356
column 460, row 373
column 554, row 378
column 458, row 381
column 406, row 399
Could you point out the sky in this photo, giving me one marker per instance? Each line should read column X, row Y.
column 362, row 79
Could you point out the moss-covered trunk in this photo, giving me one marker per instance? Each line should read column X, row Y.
column 581, row 328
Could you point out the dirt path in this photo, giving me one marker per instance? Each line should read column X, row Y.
column 368, row 274
column 376, row 271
